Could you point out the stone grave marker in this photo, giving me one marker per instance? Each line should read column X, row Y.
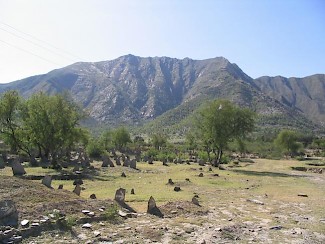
column 2, row 163
column 153, row 209
column 77, row 190
column 47, row 180
column 133, row 164
column 17, row 168
column 8, row 213
column 120, row 195
column 118, row 161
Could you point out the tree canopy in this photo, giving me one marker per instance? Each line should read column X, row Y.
column 287, row 141
column 220, row 122
column 46, row 124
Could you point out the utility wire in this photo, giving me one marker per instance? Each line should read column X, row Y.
column 24, row 50
column 38, row 45
column 47, row 43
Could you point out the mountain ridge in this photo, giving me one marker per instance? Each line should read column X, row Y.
column 135, row 90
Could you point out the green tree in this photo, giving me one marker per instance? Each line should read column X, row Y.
column 220, row 122
column 287, row 141
column 48, row 124
column 11, row 126
column 158, row 140
column 121, row 137
column 106, row 139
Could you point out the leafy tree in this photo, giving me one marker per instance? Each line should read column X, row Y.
column 106, row 139
column 190, row 141
column 11, row 126
column 46, row 123
column 287, row 141
column 220, row 122
column 121, row 137
column 158, row 140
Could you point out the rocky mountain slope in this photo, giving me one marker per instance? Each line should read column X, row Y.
column 306, row 94
column 134, row 90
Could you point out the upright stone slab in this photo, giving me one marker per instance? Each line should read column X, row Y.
column 153, row 209
column 110, row 162
column 77, row 190
column 195, row 201
column 118, row 161
column 105, row 161
column 133, row 164
column 150, row 161
column 33, row 161
column 126, row 162
column 4, row 157
column 120, row 195
column 201, row 162
column 17, row 168
column 2, row 163
column 138, row 158
column 8, row 213
column 47, row 181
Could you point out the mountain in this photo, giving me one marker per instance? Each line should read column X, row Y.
column 305, row 94
column 135, row 90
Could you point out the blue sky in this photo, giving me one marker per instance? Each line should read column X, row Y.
column 264, row 37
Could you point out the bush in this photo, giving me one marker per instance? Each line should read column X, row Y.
column 111, row 214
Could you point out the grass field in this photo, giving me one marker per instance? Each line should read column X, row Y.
column 272, row 182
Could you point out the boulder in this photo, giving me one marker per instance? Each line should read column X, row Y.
column 8, row 213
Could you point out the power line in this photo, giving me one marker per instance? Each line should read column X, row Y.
column 21, row 49
column 36, row 44
column 47, row 43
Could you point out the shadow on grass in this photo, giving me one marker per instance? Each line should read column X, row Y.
column 265, row 173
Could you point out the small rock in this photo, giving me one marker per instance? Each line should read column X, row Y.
column 96, row 233
column 277, row 227
column 177, row 188
column 302, row 195
column 91, row 214
column 93, row 196
column 24, row 223
column 85, row 211
column 35, row 224
column 201, row 175
column 255, row 201
column 195, row 201
column 86, row 226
